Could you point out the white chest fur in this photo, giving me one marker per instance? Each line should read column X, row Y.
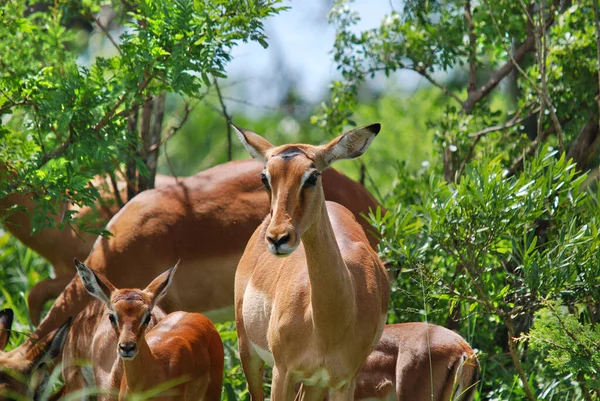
column 256, row 312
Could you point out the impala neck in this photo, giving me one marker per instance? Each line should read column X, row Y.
column 331, row 286
column 138, row 372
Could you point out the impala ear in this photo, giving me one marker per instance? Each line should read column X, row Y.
column 49, row 347
column 96, row 284
column 350, row 145
column 6, row 320
column 158, row 287
column 255, row 144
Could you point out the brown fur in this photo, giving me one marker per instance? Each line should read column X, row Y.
column 183, row 347
column 399, row 367
column 320, row 307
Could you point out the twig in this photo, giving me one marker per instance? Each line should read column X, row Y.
column 227, row 120
column 115, row 187
column 174, row 128
column 509, row 124
column 428, row 77
column 107, row 33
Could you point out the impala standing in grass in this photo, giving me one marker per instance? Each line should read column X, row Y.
column 310, row 293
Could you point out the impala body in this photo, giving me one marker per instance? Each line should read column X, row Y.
column 418, row 362
column 25, row 373
column 310, row 292
column 182, row 350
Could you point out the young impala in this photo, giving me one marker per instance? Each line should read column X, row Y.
column 25, row 374
column 418, row 362
column 310, row 293
column 183, row 348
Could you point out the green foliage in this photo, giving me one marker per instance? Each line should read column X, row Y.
column 69, row 119
column 494, row 229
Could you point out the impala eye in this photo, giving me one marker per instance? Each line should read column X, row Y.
column 311, row 181
column 265, row 180
column 113, row 319
column 146, row 320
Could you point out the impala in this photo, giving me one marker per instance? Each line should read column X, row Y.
column 184, row 347
column 59, row 246
column 24, row 373
column 310, row 293
column 418, row 362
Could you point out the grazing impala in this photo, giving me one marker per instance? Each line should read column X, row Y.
column 310, row 293
column 183, row 347
column 24, row 373
column 418, row 362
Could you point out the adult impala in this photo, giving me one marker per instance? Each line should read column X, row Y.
column 206, row 220
column 310, row 293
column 25, row 374
column 418, row 362
column 184, row 347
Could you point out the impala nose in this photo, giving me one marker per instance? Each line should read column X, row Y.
column 127, row 350
column 279, row 243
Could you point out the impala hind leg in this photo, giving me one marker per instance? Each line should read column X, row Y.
column 283, row 388
column 311, row 393
column 346, row 393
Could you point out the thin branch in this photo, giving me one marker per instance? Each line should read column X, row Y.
column 115, row 188
column 509, row 124
column 174, row 128
column 107, row 33
column 428, row 77
column 227, row 120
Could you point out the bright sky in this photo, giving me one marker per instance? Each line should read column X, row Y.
column 300, row 41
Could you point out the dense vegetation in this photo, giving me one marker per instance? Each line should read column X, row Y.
column 492, row 224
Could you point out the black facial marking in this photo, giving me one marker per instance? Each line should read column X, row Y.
column 289, row 153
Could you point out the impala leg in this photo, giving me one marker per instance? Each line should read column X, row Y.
column 312, row 393
column 254, row 369
column 346, row 393
column 283, row 388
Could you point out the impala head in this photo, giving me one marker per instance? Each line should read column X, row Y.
column 23, row 370
column 292, row 178
column 129, row 310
